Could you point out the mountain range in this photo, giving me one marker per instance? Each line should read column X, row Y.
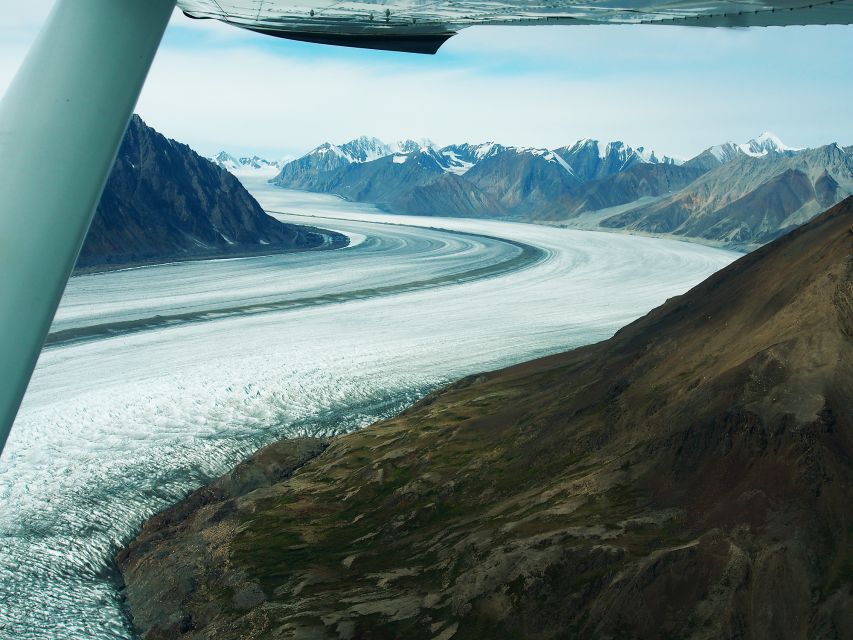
column 247, row 166
column 690, row 477
column 735, row 194
column 749, row 199
column 164, row 202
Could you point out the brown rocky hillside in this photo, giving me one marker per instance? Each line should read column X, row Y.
column 691, row 477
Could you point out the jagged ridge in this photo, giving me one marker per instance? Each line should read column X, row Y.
column 778, row 187
column 164, row 202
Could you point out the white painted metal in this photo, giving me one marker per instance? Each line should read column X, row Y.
column 388, row 17
column 61, row 122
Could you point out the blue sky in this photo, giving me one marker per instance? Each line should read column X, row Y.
column 674, row 89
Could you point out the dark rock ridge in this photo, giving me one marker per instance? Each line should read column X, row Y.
column 689, row 478
column 742, row 195
column 164, row 202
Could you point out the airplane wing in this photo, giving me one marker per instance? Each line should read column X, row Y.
column 422, row 26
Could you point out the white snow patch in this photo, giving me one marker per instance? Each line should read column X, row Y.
column 562, row 163
column 765, row 143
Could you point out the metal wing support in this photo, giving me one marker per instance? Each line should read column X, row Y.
column 61, row 123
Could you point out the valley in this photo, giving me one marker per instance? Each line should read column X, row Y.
column 689, row 477
column 120, row 425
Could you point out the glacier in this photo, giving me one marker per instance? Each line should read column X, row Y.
column 119, row 425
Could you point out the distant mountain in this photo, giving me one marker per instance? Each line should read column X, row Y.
column 715, row 156
column 307, row 172
column 245, row 166
column 522, row 180
column 499, row 180
column 164, row 202
column 591, row 160
column 766, row 143
column 751, row 199
column 447, row 195
column 417, row 182
column 464, row 156
column 776, row 186
column 690, row 477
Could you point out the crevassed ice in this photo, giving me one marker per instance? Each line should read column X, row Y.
column 114, row 429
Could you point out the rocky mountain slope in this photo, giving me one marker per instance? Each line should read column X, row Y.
column 690, row 477
column 164, row 202
column 737, row 194
column 592, row 160
column 749, row 199
column 314, row 169
column 623, row 187
column 522, row 179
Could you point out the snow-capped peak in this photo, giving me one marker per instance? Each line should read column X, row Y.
column 589, row 145
column 254, row 165
column 409, row 146
column 487, row 149
column 582, row 159
column 365, row 149
column 552, row 156
column 224, row 156
column 724, row 152
column 361, row 149
column 546, row 154
column 757, row 147
column 617, row 151
column 459, row 158
column 765, row 143
column 616, row 148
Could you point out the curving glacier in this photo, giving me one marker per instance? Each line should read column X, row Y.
column 160, row 378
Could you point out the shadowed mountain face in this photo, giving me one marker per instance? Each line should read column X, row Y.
column 164, row 202
column 638, row 181
column 690, row 477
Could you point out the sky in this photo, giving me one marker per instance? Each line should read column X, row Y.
column 677, row 90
